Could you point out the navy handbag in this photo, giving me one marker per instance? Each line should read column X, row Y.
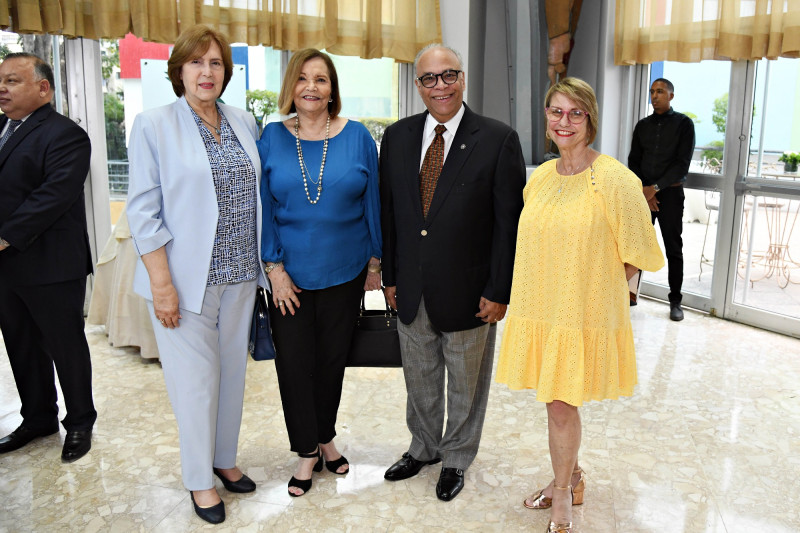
column 261, row 347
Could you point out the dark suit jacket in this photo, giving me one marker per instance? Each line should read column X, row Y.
column 465, row 248
column 43, row 166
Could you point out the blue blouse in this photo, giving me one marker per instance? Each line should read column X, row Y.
column 328, row 243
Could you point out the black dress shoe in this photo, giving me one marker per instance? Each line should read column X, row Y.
column 451, row 481
column 214, row 514
column 407, row 467
column 242, row 485
column 675, row 312
column 76, row 444
column 22, row 436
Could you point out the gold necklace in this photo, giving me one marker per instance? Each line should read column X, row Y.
column 564, row 165
column 564, row 176
column 303, row 163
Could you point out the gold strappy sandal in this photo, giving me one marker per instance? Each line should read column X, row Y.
column 561, row 527
column 539, row 501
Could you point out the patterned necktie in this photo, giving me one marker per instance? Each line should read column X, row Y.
column 431, row 168
column 12, row 126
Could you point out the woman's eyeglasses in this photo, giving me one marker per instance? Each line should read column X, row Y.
column 574, row 116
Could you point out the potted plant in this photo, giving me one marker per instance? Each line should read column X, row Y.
column 790, row 161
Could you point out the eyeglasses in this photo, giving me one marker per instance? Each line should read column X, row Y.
column 449, row 77
column 574, row 116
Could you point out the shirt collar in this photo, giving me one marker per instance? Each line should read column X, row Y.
column 451, row 125
column 665, row 114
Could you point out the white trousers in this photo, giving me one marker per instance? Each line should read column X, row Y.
column 204, row 362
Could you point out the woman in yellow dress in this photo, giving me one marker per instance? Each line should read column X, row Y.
column 585, row 229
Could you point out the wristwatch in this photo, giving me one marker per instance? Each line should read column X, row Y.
column 656, row 187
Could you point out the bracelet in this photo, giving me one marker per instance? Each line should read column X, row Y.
column 272, row 266
column 375, row 269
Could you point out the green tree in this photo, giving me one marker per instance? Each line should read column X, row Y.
column 109, row 58
column 692, row 116
column 376, row 126
column 719, row 114
column 4, row 51
column 261, row 104
column 714, row 151
column 115, row 126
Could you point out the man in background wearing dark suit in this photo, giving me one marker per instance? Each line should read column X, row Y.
column 451, row 195
column 44, row 257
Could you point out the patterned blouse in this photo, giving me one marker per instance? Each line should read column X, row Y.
column 235, row 254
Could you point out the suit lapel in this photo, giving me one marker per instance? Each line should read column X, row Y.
column 22, row 131
column 464, row 141
column 412, row 152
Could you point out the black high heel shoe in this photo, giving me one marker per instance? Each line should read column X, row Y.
column 213, row 515
column 305, row 484
column 333, row 466
column 242, row 485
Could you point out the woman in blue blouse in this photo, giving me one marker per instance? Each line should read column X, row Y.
column 195, row 220
column 322, row 247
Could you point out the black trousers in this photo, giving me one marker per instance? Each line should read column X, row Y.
column 312, row 349
column 42, row 325
column 670, row 221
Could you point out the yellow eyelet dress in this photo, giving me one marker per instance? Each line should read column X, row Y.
column 568, row 331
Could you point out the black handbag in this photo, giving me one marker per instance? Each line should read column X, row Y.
column 261, row 347
column 375, row 341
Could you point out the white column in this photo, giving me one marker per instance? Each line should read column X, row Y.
column 85, row 97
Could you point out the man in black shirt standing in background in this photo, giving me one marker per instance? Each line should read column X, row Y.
column 661, row 151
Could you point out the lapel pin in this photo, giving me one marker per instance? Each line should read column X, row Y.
column 463, row 146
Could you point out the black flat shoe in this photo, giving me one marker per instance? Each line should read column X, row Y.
column 451, row 481
column 305, row 484
column 334, row 466
column 406, row 467
column 213, row 515
column 77, row 443
column 22, row 436
column 242, row 485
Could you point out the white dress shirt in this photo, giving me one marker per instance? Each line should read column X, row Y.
column 428, row 134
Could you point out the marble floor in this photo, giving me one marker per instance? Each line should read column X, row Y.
column 709, row 443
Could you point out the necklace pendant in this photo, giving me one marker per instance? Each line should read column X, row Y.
column 319, row 189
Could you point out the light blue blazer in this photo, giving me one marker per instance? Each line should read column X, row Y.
column 171, row 196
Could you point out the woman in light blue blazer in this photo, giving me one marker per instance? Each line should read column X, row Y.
column 195, row 220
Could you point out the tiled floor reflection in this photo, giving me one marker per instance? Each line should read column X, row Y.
column 709, row 443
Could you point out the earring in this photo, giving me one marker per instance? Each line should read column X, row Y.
column 330, row 100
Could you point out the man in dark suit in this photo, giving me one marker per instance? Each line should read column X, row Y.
column 451, row 195
column 44, row 257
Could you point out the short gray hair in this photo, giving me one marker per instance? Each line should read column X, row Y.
column 439, row 45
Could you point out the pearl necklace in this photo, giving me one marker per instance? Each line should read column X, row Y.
column 303, row 163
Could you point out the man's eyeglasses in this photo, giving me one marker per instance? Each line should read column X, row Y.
column 574, row 116
column 449, row 77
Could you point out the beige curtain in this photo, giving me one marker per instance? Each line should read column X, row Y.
column 693, row 30
column 365, row 28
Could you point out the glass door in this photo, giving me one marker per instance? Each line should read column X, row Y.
column 764, row 273
column 741, row 237
column 703, row 190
